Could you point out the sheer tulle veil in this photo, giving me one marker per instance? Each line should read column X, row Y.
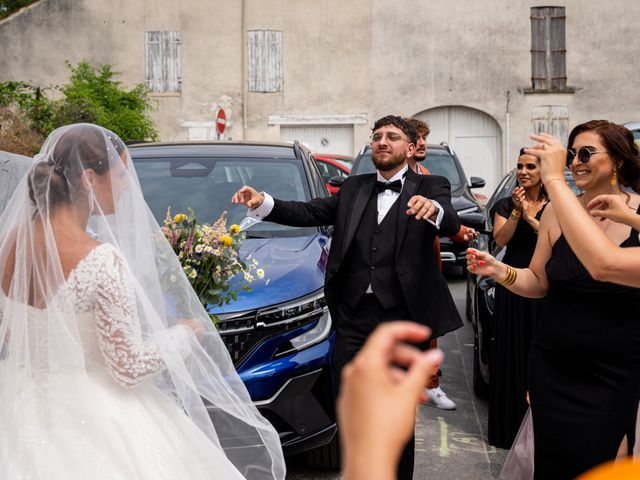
column 40, row 337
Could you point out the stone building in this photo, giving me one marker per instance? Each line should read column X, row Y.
column 483, row 73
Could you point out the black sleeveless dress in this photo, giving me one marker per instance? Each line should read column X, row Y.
column 584, row 367
column 515, row 319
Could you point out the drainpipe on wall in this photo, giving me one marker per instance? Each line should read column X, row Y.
column 243, row 30
column 507, row 136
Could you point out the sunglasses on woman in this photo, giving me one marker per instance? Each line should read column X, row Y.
column 583, row 154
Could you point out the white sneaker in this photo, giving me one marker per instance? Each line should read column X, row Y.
column 439, row 399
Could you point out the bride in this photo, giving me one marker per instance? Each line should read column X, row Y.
column 110, row 368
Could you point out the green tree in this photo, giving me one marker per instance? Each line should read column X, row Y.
column 93, row 96
column 30, row 102
column 7, row 7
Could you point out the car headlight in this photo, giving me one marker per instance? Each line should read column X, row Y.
column 316, row 334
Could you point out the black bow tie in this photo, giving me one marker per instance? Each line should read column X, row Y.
column 394, row 186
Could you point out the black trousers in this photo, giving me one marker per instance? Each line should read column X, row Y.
column 353, row 327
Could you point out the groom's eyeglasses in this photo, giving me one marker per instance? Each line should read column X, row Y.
column 583, row 154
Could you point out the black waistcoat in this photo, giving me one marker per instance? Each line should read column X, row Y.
column 371, row 258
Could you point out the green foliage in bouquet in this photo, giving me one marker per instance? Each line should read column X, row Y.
column 209, row 255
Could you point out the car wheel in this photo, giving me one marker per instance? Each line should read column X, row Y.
column 480, row 387
column 327, row 457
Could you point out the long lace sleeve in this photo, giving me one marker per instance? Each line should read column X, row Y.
column 130, row 358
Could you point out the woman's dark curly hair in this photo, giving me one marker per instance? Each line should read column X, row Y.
column 621, row 147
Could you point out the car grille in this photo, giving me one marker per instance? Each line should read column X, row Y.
column 242, row 334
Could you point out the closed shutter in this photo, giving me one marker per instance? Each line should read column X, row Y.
column 548, row 48
column 162, row 55
column 474, row 136
column 553, row 119
column 264, row 59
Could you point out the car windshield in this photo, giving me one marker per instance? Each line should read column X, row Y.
column 439, row 162
column 206, row 185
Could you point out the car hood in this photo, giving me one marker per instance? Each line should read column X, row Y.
column 292, row 268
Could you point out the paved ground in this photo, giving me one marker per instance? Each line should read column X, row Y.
column 449, row 444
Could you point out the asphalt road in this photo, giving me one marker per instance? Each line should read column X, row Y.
column 449, row 444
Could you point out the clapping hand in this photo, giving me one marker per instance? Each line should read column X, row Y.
column 517, row 196
column 248, row 196
column 377, row 402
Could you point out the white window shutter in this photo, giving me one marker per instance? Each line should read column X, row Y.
column 264, row 57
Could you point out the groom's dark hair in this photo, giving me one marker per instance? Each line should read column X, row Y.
column 399, row 122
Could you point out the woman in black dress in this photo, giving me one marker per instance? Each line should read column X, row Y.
column 515, row 225
column 584, row 360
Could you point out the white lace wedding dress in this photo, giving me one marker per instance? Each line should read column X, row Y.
column 107, row 420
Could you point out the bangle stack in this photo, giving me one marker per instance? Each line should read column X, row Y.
column 510, row 279
column 515, row 214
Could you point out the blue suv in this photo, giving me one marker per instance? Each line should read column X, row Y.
column 279, row 334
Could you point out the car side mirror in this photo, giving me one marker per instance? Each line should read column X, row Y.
column 477, row 182
column 336, row 181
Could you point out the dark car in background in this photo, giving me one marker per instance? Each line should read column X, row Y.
column 279, row 334
column 480, row 295
column 333, row 166
column 634, row 127
column 441, row 160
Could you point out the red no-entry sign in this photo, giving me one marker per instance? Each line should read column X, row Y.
column 221, row 120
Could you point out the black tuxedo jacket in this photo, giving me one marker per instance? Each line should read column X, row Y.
column 425, row 291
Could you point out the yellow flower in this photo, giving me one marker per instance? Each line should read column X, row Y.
column 226, row 240
column 234, row 229
column 179, row 218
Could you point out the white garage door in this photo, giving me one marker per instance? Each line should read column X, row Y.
column 321, row 138
column 474, row 136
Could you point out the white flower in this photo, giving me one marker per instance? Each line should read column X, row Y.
column 193, row 274
column 208, row 249
column 199, row 249
column 260, row 273
column 248, row 277
column 255, row 262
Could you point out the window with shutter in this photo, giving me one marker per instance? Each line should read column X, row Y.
column 548, row 49
column 553, row 119
column 162, row 57
column 264, row 57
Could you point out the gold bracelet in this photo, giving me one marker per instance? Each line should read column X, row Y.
column 510, row 278
column 515, row 214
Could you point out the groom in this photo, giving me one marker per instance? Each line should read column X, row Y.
column 381, row 264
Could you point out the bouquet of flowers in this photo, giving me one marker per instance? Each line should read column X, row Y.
column 209, row 256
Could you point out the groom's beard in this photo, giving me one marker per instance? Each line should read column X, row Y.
column 385, row 163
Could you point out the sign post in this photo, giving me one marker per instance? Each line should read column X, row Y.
column 221, row 121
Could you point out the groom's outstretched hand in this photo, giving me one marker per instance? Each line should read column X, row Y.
column 421, row 207
column 248, row 196
column 379, row 392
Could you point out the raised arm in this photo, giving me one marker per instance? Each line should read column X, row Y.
column 505, row 220
column 316, row 212
column 598, row 253
column 528, row 282
column 130, row 359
